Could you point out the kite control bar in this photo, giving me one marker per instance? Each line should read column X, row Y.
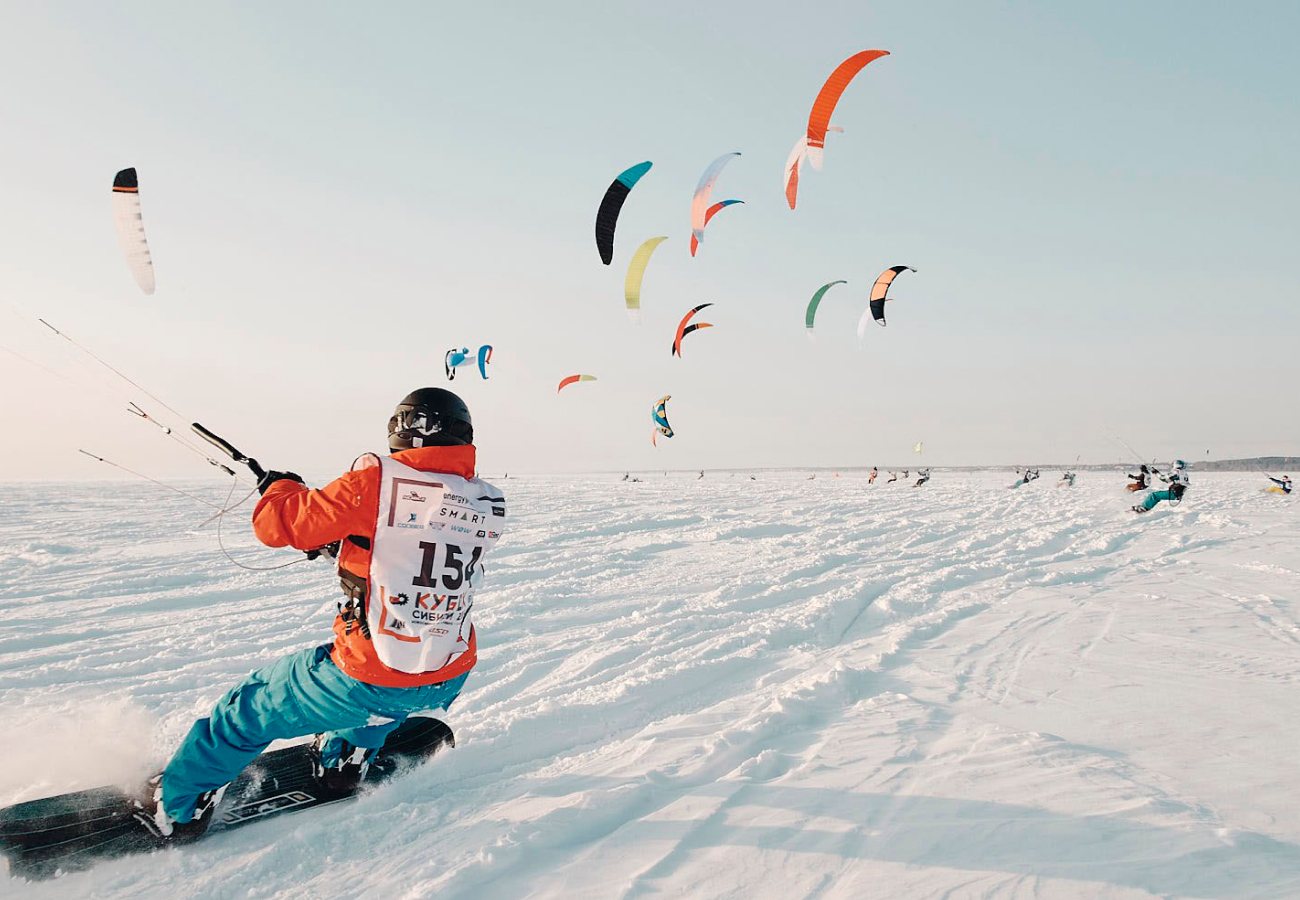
column 330, row 550
column 227, row 448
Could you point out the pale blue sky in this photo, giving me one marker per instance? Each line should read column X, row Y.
column 1100, row 200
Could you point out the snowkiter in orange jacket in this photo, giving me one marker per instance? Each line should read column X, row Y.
column 412, row 530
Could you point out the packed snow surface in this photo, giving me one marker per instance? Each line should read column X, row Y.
column 771, row 688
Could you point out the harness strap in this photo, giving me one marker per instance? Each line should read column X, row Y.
column 353, row 612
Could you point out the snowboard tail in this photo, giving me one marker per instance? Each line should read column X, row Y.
column 40, row 838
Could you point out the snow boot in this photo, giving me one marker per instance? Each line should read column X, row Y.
column 344, row 774
column 151, row 814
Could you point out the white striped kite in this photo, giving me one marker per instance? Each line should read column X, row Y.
column 130, row 228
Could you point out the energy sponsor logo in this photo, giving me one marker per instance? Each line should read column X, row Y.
column 456, row 507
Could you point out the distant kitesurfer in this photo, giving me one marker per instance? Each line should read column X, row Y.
column 874, row 473
column 1283, row 484
column 925, row 476
column 1027, row 476
column 1140, row 480
column 1176, row 479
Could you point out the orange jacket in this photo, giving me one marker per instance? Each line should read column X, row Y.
column 293, row 515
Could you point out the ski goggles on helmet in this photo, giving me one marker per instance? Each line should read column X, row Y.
column 415, row 424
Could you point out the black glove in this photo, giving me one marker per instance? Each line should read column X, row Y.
column 271, row 478
column 330, row 550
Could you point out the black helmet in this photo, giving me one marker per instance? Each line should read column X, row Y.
column 430, row 417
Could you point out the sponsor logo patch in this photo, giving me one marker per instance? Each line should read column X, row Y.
column 266, row 807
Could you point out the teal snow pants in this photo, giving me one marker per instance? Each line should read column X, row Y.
column 303, row 693
column 1155, row 497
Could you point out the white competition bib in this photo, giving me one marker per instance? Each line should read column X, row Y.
column 432, row 534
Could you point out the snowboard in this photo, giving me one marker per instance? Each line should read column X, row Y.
column 41, row 838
